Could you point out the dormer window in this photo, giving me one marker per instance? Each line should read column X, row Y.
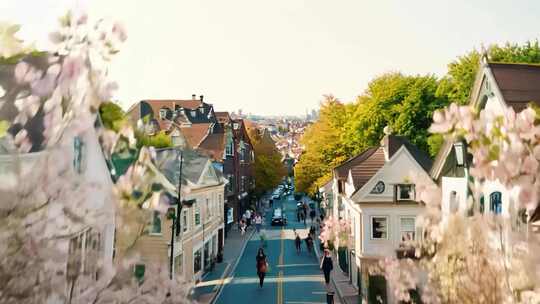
column 193, row 113
column 201, row 109
column 162, row 114
column 405, row 192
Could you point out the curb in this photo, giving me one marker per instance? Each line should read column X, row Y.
column 229, row 270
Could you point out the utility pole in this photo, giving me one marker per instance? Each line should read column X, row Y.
column 176, row 218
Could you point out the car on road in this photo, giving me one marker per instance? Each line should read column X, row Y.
column 278, row 218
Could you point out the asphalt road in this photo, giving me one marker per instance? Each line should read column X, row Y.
column 293, row 278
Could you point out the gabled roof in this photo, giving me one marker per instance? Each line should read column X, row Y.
column 364, row 171
column 342, row 171
column 196, row 133
column 395, row 142
column 213, row 146
column 168, row 163
column 518, row 83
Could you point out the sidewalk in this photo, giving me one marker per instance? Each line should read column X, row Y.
column 206, row 291
column 346, row 293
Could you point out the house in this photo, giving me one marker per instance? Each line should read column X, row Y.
column 201, row 220
column 497, row 86
column 374, row 192
column 244, row 165
column 81, row 167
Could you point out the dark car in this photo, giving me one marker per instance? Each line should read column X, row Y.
column 278, row 218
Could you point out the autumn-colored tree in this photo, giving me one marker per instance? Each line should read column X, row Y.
column 323, row 148
column 269, row 170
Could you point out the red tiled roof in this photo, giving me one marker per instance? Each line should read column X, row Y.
column 518, row 83
column 157, row 104
column 195, row 134
column 213, row 146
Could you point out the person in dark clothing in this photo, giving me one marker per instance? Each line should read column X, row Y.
column 262, row 266
column 304, row 208
column 312, row 231
column 327, row 266
column 298, row 244
column 298, row 214
column 309, row 243
column 312, row 214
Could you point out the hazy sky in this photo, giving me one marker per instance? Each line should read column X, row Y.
column 281, row 56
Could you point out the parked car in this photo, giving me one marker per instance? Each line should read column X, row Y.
column 278, row 218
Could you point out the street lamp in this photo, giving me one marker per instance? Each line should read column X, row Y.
column 460, row 149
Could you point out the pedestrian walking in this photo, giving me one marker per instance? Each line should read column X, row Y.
column 312, row 214
column 309, row 243
column 312, row 231
column 242, row 227
column 304, row 208
column 298, row 212
column 298, row 244
column 262, row 266
column 258, row 222
column 248, row 218
column 303, row 217
column 327, row 266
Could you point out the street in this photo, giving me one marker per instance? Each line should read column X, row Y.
column 293, row 278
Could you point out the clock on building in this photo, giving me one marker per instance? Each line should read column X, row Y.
column 379, row 188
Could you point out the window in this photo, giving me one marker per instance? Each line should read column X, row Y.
column 185, row 223
column 197, row 216
column 208, row 210
column 407, row 229
column 155, row 224
column 193, row 113
column 495, row 202
column 207, row 254
column 197, row 261
column 78, row 154
column 379, row 227
column 139, row 271
column 83, row 254
column 162, row 114
column 201, row 109
column 178, row 263
column 230, row 185
column 229, row 149
column 405, row 192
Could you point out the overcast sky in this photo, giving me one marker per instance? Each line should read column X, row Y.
column 281, row 56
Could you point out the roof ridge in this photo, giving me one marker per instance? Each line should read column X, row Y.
column 365, row 152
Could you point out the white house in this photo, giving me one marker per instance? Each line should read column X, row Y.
column 376, row 195
column 80, row 167
column 497, row 87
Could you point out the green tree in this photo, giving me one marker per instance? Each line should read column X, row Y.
column 405, row 103
column 112, row 115
column 160, row 140
column 458, row 82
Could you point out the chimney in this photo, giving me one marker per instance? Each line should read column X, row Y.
column 385, row 142
column 201, row 97
column 194, row 96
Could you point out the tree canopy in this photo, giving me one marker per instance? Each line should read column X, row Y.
column 112, row 115
column 269, row 170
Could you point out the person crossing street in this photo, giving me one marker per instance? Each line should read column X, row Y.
column 262, row 266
